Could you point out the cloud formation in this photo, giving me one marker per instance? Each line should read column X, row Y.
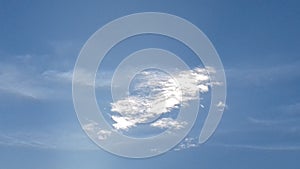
column 156, row 93
column 188, row 142
column 221, row 106
column 168, row 123
column 93, row 127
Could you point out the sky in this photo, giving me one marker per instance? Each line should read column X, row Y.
column 256, row 40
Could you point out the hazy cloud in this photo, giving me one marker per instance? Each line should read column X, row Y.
column 93, row 127
column 58, row 140
column 84, row 77
column 263, row 76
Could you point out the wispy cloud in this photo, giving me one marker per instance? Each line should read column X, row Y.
column 262, row 76
column 71, row 140
column 21, row 82
column 290, row 109
column 42, row 76
column 22, row 140
column 261, row 147
column 263, row 121
column 58, row 76
column 281, row 116
column 49, row 84
column 85, row 78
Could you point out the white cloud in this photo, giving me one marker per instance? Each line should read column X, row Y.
column 93, row 127
column 122, row 123
column 168, row 123
column 103, row 134
column 221, row 106
column 90, row 127
column 188, row 142
column 157, row 93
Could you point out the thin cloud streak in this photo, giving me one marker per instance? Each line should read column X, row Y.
column 261, row 147
column 263, row 76
column 50, row 140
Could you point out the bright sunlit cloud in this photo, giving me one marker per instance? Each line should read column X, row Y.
column 156, row 94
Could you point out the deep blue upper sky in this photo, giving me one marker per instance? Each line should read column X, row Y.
column 258, row 43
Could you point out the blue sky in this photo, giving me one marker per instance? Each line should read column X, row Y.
column 257, row 42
